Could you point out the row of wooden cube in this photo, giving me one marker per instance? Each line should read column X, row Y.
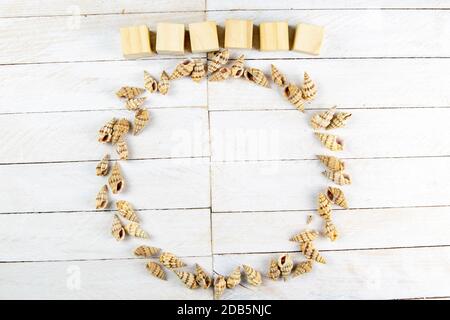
column 274, row 36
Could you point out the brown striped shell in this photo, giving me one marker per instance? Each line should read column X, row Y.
column 135, row 103
column 102, row 167
column 146, row 251
column 294, row 95
column 277, row 77
column 126, row 210
column 302, row 268
column 337, row 196
column 149, row 83
column 330, row 230
column 187, row 278
column 115, row 180
column 217, row 60
column 199, row 72
column 201, row 277
column 339, row 120
column 339, row 177
column 311, row 252
column 163, row 84
column 234, row 278
column 256, row 76
column 219, row 286
column 106, row 131
column 305, row 236
column 320, row 120
column 120, row 129
column 332, row 163
column 323, row 206
column 309, row 89
column 221, row 74
column 170, row 261
column 134, row 229
column 183, row 69
column 329, row 141
column 285, row 264
column 101, row 200
column 274, row 272
column 122, row 149
column 141, row 119
column 253, row 276
column 129, row 92
column 156, row 270
column 237, row 68
column 117, row 229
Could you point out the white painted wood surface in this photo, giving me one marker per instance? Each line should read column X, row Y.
column 387, row 62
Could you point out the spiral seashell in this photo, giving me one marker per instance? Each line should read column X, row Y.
column 106, row 132
column 187, row 278
column 234, row 278
column 311, row 253
column 135, row 103
column 302, row 268
column 198, row 73
column 149, row 83
column 339, row 120
column 170, row 261
column 120, row 129
column 122, row 149
column 274, row 272
column 219, row 286
column 321, row 120
column 129, row 92
column 337, row 196
column 339, row 177
column 221, row 74
column 331, row 142
column 101, row 200
column 126, row 210
column 323, row 206
column 156, row 270
column 277, row 77
column 305, row 236
column 332, row 163
column 237, row 68
column 115, row 180
column 201, row 277
column 256, row 76
column 102, row 167
column 183, row 69
column 285, row 264
column 253, row 276
column 294, row 95
column 117, row 230
column 163, row 84
column 134, row 229
column 141, row 119
column 309, row 90
column 218, row 59
column 330, row 230
column 146, row 251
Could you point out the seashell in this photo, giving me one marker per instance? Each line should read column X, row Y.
column 237, row 68
column 234, row 278
column 323, row 206
column 311, row 253
column 302, row 268
column 102, row 167
column 198, row 73
column 106, row 132
column 170, row 261
column 331, row 142
column 122, row 149
column 285, row 264
column 338, row 177
column 339, row 120
column 309, row 90
column 129, row 92
column 332, row 163
column 305, row 236
column 146, row 251
column 156, row 270
column 149, row 83
column 187, row 278
column 218, row 59
column 134, row 229
column 294, row 95
column 253, row 276
column 221, row 74
column 202, row 278
column 309, row 219
column 219, row 286
column 322, row 119
column 115, row 180
column 277, row 77
column 141, row 118
column 183, row 69
column 337, row 196
column 274, row 272
column 256, row 76
column 330, row 230
column 126, row 210
column 101, row 201
column 121, row 128
column 163, row 84
column 117, row 230
column 135, row 103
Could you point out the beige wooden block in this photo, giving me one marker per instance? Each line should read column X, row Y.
column 170, row 38
column 308, row 38
column 204, row 36
column 135, row 42
column 274, row 36
column 238, row 34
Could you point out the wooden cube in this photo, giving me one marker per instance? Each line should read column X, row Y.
column 170, row 38
column 274, row 36
column 203, row 36
column 308, row 38
column 135, row 42
column 238, row 34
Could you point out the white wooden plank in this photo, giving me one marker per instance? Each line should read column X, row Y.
column 366, row 274
column 50, row 236
column 293, row 185
column 347, row 83
column 37, row 137
column 117, row 279
column 150, row 184
column 89, row 86
column 358, row 229
column 269, row 135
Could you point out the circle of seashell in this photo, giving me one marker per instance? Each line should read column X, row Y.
column 115, row 130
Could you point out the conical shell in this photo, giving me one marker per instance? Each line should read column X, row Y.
column 311, row 253
column 339, row 120
column 323, row 206
column 135, row 103
column 237, row 68
column 253, row 276
column 234, row 278
column 329, row 141
column 101, row 200
column 330, row 230
column 126, row 210
column 163, row 84
column 274, row 272
column 102, row 167
column 337, row 196
column 309, row 90
column 129, row 92
column 120, row 129
column 183, row 69
column 219, row 59
column 339, row 177
column 302, row 268
column 202, row 278
column 115, row 180
column 170, row 261
column 294, row 95
column 321, row 120
column 277, row 77
column 134, row 229
column 285, row 264
column 117, row 230
column 305, row 236
column 221, row 74
column 141, row 119
column 146, row 251
column 106, row 132
column 219, row 286
column 332, row 163
column 156, row 270
column 187, row 278
column 122, row 149
column 199, row 72
column 256, row 76
column 149, row 83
